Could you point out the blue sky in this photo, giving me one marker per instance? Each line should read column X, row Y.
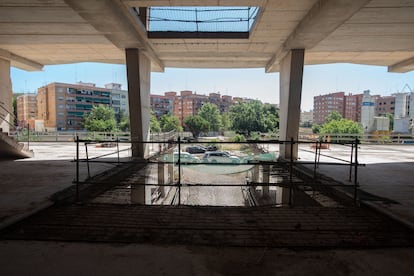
column 250, row 83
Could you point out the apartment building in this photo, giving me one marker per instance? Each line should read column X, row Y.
column 352, row 107
column 306, row 118
column 119, row 99
column 384, row 105
column 62, row 106
column 404, row 113
column 162, row 104
column 323, row 105
column 187, row 103
column 26, row 110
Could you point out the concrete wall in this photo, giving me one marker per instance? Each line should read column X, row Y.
column 6, row 96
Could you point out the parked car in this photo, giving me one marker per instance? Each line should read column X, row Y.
column 220, row 157
column 196, row 149
column 185, row 157
column 211, row 148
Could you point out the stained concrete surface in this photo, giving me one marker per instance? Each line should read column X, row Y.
column 58, row 258
column 387, row 173
column 25, row 187
column 27, row 184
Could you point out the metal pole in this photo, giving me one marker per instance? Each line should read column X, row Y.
column 117, row 147
column 28, row 137
column 319, row 153
column 356, row 170
column 77, row 169
column 87, row 160
column 316, row 160
column 179, row 170
column 352, row 158
column 291, row 172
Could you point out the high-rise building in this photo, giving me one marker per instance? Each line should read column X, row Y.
column 62, row 106
column 352, row 108
column 188, row 104
column 349, row 106
column 162, row 104
column 384, row 105
column 119, row 99
column 26, row 110
column 404, row 112
column 401, row 105
column 323, row 105
column 306, row 118
column 367, row 112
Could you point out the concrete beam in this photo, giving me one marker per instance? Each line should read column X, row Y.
column 402, row 66
column 20, row 62
column 120, row 25
column 322, row 19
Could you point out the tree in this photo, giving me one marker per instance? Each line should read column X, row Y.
column 316, row 128
column 391, row 118
column 225, row 121
column 334, row 115
column 254, row 116
column 101, row 118
column 211, row 114
column 169, row 123
column 123, row 121
column 342, row 126
column 196, row 124
column 154, row 123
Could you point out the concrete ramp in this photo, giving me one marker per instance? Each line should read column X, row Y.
column 11, row 149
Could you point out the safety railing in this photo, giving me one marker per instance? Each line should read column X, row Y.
column 170, row 160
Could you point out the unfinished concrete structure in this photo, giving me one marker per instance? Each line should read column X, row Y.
column 285, row 36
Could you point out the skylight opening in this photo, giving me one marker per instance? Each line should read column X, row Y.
column 198, row 20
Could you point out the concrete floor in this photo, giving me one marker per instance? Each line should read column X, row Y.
column 25, row 187
column 387, row 173
column 58, row 258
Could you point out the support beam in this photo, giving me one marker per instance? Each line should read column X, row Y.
column 322, row 19
column 121, row 26
column 20, row 62
column 291, row 75
column 138, row 74
column 402, row 66
column 5, row 96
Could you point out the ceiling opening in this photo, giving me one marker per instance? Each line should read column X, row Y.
column 198, row 22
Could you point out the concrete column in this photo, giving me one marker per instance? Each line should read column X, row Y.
column 6, row 96
column 138, row 194
column 139, row 74
column 161, row 177
column 266, row 179
column 170, row 173
column 256, row 173
column 291, row 73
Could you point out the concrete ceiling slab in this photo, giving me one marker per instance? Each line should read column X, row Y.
column 34, row 33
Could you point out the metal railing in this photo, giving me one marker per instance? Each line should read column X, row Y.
column 290, row 165
column 65, row 136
